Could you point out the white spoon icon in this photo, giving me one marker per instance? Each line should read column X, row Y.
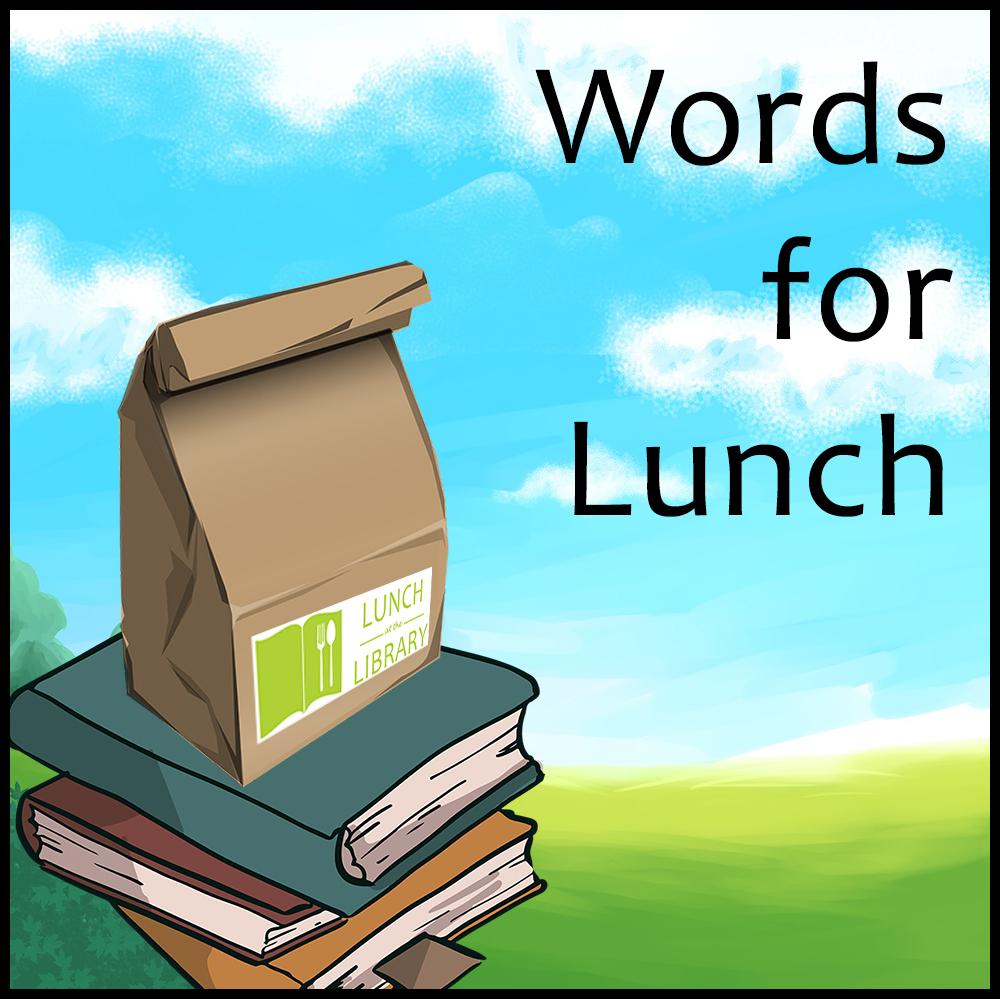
column 331, row 637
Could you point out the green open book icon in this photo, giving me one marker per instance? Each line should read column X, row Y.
column 296, row 667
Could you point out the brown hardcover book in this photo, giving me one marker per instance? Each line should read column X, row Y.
column 108, row 847
column 481, row 874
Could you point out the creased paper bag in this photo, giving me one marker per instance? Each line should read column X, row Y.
column 282, row 519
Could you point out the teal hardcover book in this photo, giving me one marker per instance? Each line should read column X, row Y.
column 336, row 822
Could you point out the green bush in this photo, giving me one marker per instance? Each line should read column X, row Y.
column 35, row 620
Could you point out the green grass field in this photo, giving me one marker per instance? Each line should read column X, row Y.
column 866, row 872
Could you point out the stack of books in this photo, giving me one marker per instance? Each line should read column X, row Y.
column 356, row 863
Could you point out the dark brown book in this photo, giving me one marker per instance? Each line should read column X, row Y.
column 105, row 845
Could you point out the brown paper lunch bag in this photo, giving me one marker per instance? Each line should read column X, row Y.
column 282, row 519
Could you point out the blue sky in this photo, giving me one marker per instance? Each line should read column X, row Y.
column 161, row 162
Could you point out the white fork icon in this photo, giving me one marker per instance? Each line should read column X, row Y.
column 321, row 636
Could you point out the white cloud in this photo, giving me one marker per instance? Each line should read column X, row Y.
column 727, row 350
column 307, row 65
column 77, row 334
column 655, row 688
column 610, row 478
column 574, row 749
column 959, row 724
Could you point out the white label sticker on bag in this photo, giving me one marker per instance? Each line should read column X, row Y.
column 305, row 664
